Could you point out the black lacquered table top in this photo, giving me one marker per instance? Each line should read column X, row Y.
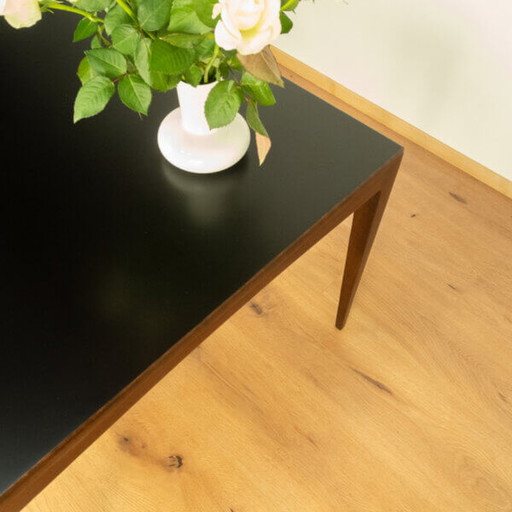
column 109, row 255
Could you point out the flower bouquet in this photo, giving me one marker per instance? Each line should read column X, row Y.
column 138, row 47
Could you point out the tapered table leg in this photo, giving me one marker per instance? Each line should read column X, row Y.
column 365, row 224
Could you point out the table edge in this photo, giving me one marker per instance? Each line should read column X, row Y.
column 21, row 492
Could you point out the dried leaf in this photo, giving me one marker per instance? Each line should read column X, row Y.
column 263, row 65
column 263, row 145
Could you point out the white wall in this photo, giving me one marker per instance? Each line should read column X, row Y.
column 444, row 66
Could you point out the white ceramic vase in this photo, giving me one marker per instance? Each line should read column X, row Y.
column 186, row 141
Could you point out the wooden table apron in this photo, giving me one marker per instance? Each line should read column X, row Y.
column 116, row 265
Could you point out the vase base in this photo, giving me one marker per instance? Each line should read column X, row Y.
column 203, row 154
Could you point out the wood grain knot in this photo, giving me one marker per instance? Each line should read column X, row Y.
column 131, row 446
column 374, row 382
column 175, row 461
column 458, row 198
column 256, row 308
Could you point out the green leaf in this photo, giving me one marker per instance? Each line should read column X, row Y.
column 92, row 97
column 222, row 71
column 85, row 28
column 125, row 39
column 142, row 54
column 135, row 93
column 170, row 59
column 115, row 17
column 85, row 72
column 193, row 75
column 93, row 5
column 107, row 61
column 258, row 89
column 162, row 82
column 154, row 14
column 96, row 42
column 202, row 8
column 286, row 23
column 141, row 60
column 223, row 103
column 253, row 119
column 183, row 40
column 186, row 20
column 157, row 80
column 205, row 48
column 235, row 63
column 262, row 65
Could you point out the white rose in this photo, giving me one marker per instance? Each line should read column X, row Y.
column 20, row 13
column 247, row 25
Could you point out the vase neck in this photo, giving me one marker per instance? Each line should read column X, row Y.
column 192, row 100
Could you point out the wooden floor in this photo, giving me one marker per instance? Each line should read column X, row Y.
column 409, row 408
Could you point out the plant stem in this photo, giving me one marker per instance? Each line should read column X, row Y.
column 287, row 4
column 106, row 42
column 126, row 8
column 210, row 63
column 62, row 7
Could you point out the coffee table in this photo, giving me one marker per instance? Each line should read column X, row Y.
column 117, row 265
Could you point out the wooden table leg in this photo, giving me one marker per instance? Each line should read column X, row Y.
column 365, row 224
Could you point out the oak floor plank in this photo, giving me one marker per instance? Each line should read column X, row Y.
column 409, row 408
